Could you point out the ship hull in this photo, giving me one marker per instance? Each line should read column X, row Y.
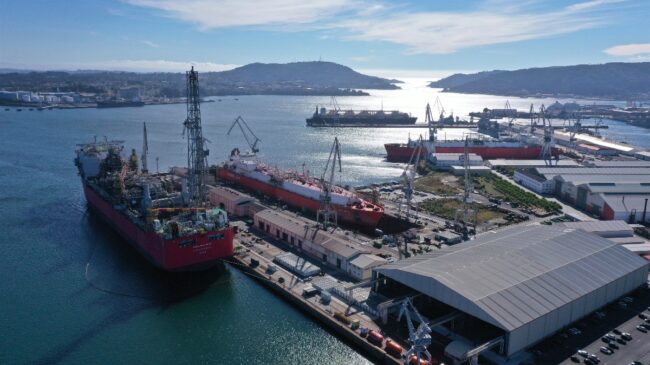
column 318, row 121
column 402, row 153
column 187, row 253
column 345, row 214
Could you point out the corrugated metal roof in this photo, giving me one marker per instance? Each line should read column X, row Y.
column 512, row 277
column 600, row 226
column 594, row 170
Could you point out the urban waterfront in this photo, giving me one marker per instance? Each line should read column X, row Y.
column 73, row 293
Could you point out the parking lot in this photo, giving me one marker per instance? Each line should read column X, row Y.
column 587, row 335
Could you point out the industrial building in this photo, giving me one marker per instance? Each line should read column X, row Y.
column 534, row 181
column 447, row 160
column 232, row 201
column 361, row 266
column 528, row 164
column 611, row 193
column 516, row 286
column 326, row 247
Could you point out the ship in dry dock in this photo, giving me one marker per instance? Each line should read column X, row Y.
column 299, row 190
column 164, row 217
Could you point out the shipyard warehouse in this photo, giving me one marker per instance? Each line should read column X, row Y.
column 513, row 288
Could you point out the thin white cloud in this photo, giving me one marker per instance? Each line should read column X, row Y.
column 448, row 32
column 232, row 13
column 124, row 65
column 150, row 43
column 158, row 66
column 587, row 5
column 432, row 32
column 630, row 50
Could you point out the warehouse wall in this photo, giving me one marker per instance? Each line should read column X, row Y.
column 546, row 325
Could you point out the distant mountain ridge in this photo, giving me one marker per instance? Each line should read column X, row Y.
column 326, row 74
column 297, row 78
column 610, row 80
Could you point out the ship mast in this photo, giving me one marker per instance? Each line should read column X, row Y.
column 145, row 149
column 197, row 155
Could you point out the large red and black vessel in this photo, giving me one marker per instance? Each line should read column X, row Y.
column 165, row 217
column 298, row 190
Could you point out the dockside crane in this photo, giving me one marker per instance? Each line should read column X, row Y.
column 511, row 118
column 533, row 122
column 467, row 200
column 408, row 177
column 549, row 140
column 326, row 214
column 420, row 338
column 433, row 129
column 248, row 133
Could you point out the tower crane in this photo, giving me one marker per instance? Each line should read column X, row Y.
column 248, row 133
column 420, row 338
column 408, row 176
column 326, row 215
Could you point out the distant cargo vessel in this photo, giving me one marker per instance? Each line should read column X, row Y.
column 337, row 117
column 488, row 149
column 298, row 190
column 119, row 104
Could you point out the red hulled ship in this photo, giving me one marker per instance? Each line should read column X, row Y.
column 298, row 190
column 163, row 216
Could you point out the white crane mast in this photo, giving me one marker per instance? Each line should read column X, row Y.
column 327, row 214
column 248, row 133
column 420, row 338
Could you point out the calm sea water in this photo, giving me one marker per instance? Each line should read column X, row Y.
column 73, row 293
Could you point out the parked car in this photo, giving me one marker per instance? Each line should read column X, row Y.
column 594, row 358
column 613, row 346
column 575, row 358
column 626, row 336
column 641, row 329
column 610, row 336
column 583, row 353
column 606, row 339
column 616, row 331
column 642, row 316
column 606, row 350
column 621, row 341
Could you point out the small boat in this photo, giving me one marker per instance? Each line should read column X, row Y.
column 237, row 99
column 19, row 110
column 6, row 109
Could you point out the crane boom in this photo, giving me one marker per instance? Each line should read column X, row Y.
column 247, row 132
column 326, row 214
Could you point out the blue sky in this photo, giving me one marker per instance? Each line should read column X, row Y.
column 414, row 37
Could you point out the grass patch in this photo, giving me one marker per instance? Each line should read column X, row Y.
column 447, row 208
column 439, row 183
column 500, row 188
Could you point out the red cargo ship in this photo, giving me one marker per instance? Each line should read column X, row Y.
column 488, row 149
column 148, row 211
column 161, row 215
column 298, row 190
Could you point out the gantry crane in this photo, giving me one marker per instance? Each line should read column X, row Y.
column 420, row 338
column 248, row 133
column 408, row 176
column 326, row 215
